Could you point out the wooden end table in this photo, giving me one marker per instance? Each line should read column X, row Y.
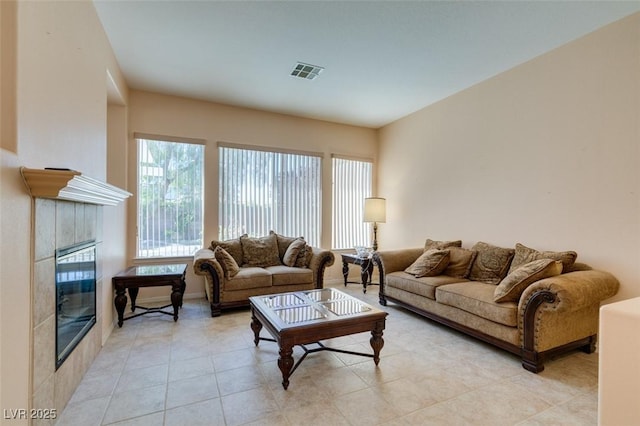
column 366, row 268
column 149, row 276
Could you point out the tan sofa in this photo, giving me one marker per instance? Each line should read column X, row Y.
column 551, row 315
column 237, row 269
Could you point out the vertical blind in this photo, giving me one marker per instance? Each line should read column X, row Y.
column 351, row 185
column 262, row 191
column 170, row 194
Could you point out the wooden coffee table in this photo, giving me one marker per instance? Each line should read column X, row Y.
column 307, row 317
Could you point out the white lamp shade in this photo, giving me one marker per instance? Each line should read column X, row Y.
column 375, row 210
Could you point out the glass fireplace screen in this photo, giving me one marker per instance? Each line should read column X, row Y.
column 75, row 296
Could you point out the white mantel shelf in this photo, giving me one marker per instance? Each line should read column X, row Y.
column 71, row 185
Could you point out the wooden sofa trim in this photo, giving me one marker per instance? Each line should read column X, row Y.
column 531, row 360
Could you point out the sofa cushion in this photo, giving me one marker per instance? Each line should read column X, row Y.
column 292, row 252
column 233, row 247
column 429, row 264
column 287, row 275
column 460, row 262
column 228, row 263
column 260, row 252
column 525, row 254
column 434, row 244
column 491, row 263
column 249, row 277
column 477, row 298
column 424, row 286
column 511, row 287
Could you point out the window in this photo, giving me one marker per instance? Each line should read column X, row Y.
column 262, row 191
column 170, row 194
column 351, row 185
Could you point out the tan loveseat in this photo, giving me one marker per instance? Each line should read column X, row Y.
column 552, row 309
column 237, row 269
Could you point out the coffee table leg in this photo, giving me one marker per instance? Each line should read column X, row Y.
column 285, row 363
column 121, row 302
column 376, row 343
column 256, row 326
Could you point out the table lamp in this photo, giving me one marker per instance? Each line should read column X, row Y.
column 375, row 211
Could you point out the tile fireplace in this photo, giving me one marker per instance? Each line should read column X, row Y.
column 67, row 283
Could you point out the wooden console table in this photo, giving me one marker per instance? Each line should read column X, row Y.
column 149, row 276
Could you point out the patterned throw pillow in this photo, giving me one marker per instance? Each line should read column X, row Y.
column 433, row 244
column 228, row 263
column 525, row 254
column 491, row 264
column 513, row 285
column 233, row 247
column 304, row 257
column 291, row 255
column 260, row 252
column 283, row 243
column 429, row 264
column 460, row 262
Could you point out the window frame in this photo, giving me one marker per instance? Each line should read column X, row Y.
column 138, row 137
column 363, row 234
column 311, row 239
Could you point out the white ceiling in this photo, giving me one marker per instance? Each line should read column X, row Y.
column 382, row 59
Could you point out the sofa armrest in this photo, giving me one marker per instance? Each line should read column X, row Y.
column 396, row 260
column 205, row 263
column 572, row 291
column 320, row 260
column 562, row 311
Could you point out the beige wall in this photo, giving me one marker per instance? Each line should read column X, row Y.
column 152, row 113
column 62, row 60
column 546, row 154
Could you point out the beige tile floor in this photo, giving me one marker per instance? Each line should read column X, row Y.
column 207, row 371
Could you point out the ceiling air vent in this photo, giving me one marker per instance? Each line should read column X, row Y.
column 306, row 71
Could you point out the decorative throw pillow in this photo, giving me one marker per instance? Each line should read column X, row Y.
column 513, row 285
column 525, row 254
column 304, row 257
column 291, row 255
column 283, row 243
column 228, row 263
column 433, row 244
column 429, row 264
column 491, row 263
column 460, row 261
column 260, row 252
column 233, row 247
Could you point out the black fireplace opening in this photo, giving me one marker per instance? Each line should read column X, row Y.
column 75, row 296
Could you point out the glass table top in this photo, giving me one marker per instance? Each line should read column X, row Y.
column 313, row 305
column 149, row 270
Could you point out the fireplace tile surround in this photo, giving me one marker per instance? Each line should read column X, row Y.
column 59, row 224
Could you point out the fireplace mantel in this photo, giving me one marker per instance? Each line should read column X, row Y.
column 71, row 185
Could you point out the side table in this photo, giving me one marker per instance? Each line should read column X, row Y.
column 366, row 268
column 149, row 276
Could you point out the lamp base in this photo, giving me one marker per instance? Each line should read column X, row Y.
column 375, row 236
